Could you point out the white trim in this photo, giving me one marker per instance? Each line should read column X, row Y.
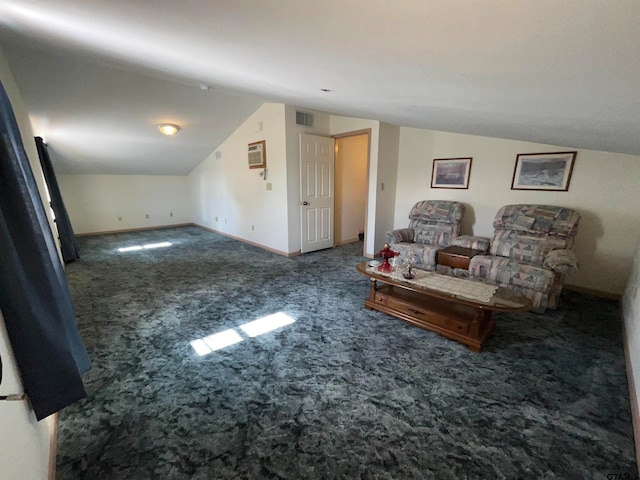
column 633, row 397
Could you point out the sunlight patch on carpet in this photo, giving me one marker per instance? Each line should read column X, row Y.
column 226, row 338
column 217, row 341
column 130, row 249
column 267, row 324
column 148, row 246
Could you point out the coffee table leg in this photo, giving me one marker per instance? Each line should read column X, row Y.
column 481, row 327
column 372, row 290
column 479, row 323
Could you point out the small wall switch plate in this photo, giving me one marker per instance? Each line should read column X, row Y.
column 269, row 186
column 171, row 214
column 382, row 186
column 146, row 215
column 216, row 219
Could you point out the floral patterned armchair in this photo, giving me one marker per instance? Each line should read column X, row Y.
column 433, row 224
column 530, row 252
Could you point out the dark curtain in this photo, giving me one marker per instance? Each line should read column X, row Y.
column 67, row 238
column 34, row 294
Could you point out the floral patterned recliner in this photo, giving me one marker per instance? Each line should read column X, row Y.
column 433, row 224
column 530, row 252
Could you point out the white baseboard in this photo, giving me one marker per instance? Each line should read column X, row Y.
column 592, row 291
column 344, row 242
column 273, row 250
column 138, row 229
column 633, row 397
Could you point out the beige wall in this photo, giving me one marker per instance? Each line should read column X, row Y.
column 604, row 188
column 351, row 187
column 388, row 156
column 102, row 203
column 24, row 442
column 229, row 197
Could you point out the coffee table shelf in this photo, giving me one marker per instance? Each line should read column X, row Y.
column 462, row 319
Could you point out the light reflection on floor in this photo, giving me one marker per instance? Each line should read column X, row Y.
column 217, row 341
column 148, row 246
column 266, row 324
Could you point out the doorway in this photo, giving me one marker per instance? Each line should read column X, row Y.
column 351, row 186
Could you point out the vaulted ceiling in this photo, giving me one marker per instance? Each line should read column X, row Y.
column 98, row 76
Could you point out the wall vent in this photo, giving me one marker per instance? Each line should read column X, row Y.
column 258, row 154
column 305, row 119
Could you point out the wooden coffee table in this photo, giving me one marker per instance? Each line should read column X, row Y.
column 452, row 315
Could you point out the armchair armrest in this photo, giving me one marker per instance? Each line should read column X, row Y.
column 469, row 241
column 562, row 261
column 400, row 235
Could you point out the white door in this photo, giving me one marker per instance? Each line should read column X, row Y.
column 316, row 192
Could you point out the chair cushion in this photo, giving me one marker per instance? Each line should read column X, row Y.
column 434, row 234
column 524, row 246
column 469, row 241
column 435, row 211
column 509, row 272
column 549, row 219
column 435, row 222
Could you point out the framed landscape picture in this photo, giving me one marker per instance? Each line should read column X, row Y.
column 543, row 171
column 451, row 172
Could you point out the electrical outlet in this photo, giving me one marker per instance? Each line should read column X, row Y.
column 216, row 219
column 269, row 186
column 253, row 228
column 146, row 215
column 382, row 186
column 225, row 221
column 171, row 214
column 119, row 219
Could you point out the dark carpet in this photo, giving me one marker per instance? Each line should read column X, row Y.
column 342, row 392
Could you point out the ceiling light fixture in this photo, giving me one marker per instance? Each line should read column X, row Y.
column 168, row 129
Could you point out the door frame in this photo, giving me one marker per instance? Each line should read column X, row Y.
column 355, row 133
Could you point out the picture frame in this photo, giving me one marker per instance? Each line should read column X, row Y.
column 549, row 171
column 451, row 172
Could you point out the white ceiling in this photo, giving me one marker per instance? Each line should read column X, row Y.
column 97, row 76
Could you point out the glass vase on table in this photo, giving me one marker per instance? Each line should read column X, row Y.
column 407, row 271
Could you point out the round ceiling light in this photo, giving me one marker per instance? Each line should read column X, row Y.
column 168, row 129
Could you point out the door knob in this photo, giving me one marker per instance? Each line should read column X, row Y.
column 304, row 203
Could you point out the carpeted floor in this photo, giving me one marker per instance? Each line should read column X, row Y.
column 342, row 392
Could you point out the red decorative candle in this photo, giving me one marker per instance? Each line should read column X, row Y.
column 386, row 253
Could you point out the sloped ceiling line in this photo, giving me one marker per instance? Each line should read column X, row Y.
column 98, row 76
